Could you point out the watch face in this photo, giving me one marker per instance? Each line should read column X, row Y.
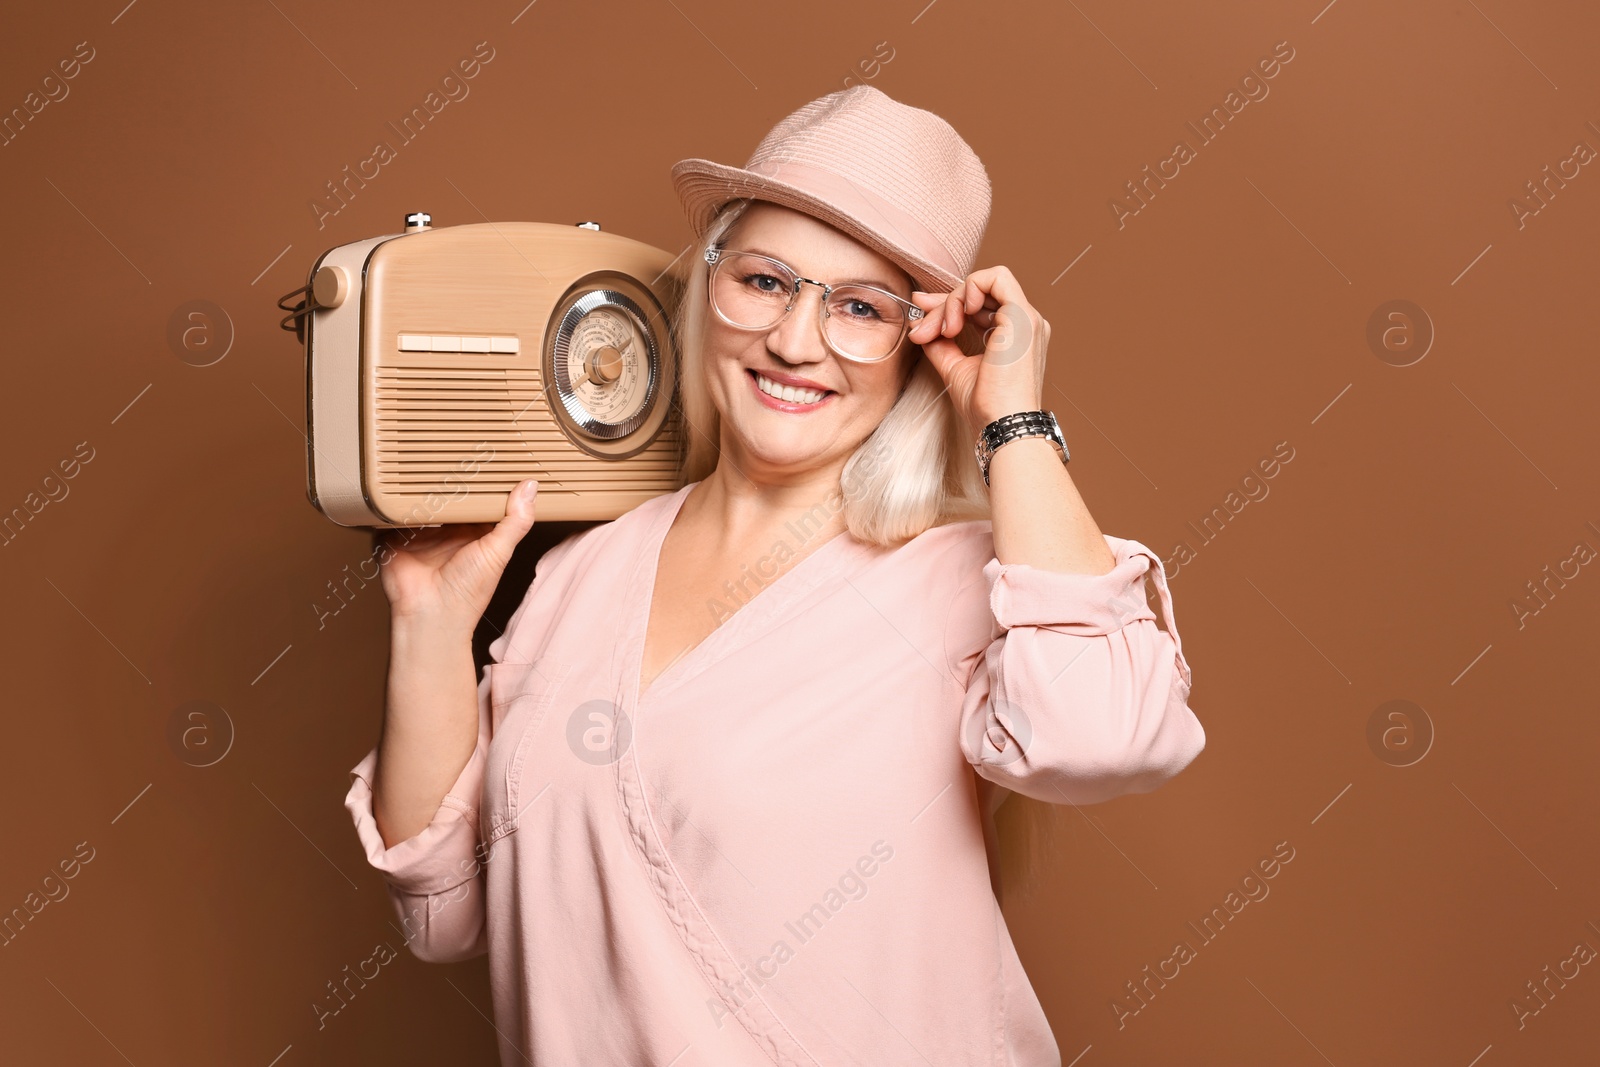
column 1055, row 428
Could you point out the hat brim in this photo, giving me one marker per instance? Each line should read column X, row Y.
column 704, row 186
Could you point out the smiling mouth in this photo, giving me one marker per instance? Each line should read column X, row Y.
column 788, row 394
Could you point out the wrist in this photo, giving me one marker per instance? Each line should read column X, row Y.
column 985, row 416
column 1030, row 423
column 410, row 628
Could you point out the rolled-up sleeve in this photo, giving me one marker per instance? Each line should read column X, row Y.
column 435, row 878
column 1081, row 697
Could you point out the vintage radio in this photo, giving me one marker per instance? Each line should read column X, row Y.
column 445, row 365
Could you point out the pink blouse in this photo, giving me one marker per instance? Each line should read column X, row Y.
column 776, row 852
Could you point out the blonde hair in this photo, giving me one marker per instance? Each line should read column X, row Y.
column 915, row 471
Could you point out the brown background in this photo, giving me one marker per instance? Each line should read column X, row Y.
column 1230, row 314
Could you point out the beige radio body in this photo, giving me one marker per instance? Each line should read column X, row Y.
column 444, row 366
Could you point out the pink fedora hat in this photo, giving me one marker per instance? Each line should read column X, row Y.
column 896, row 178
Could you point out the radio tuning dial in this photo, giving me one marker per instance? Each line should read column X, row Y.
column 603, row 363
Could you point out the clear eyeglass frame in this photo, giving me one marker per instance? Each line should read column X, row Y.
column 713, row 258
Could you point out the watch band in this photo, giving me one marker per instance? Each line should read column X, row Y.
column 1016, row 425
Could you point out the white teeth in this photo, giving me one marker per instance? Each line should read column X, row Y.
column 788, row 392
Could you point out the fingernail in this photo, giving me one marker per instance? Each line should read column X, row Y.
column 529, row 489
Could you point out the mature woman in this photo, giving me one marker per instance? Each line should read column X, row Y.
column 724, row 796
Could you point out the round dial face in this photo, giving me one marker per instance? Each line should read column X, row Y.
column 608, row 372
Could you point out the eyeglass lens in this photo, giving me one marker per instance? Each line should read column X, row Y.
column 752, row 291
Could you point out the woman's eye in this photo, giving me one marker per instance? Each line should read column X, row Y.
column 759, row 281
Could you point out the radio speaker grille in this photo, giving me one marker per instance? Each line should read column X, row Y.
column 489, row 428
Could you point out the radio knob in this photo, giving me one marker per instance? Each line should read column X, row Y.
column 605, row 365
column 330, row 285
column 418, row 220
column 588, row 225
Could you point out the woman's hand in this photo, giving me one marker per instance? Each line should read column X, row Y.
column 1009, row 375
column 446, row 574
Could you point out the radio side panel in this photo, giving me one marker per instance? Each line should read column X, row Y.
column 333, row 402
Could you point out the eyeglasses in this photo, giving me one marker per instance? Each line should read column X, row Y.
column 754, row 292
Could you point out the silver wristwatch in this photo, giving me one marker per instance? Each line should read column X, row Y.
column 1010, row 427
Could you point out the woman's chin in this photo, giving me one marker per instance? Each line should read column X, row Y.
column 786, row 455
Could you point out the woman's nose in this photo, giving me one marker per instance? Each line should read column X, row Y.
column 797, row 337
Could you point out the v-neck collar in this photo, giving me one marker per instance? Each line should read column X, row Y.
column 768, row 601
